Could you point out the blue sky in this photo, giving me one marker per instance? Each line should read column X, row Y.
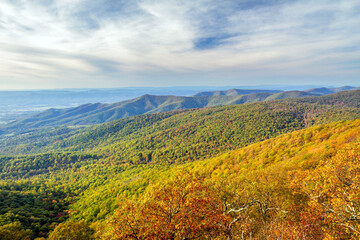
column 115, row 43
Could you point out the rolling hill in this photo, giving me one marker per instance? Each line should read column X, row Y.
column 325, row 91
column 274, row 175
column 159, row 137
column 53, row 174
column 99, row 113
column 291, row 94
column 89, row 114
column 311, row 92
column 234, row 92
column 51, row 185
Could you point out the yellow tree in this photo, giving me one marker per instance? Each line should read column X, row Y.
column 72, row 230
column 14, row 231
column 183, row 208
column 126, row 223
column 334, row 190
column 251, row 204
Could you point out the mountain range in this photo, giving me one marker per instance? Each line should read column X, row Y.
column 88, row 114
column 270, row 159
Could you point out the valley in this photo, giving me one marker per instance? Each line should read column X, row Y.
column 179, row 120
column 248, row 155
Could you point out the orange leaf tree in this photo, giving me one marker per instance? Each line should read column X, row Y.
column 334, row 191
column 183, row 208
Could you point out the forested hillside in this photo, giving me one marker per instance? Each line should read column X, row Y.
column 89, row 114
column 325, row 91
column 302, row 185
column 173, row 157
column 160, row 137
column 99, row 113
column 179, row 120
column 268, row 180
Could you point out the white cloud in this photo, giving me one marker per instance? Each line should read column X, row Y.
column 54, row 41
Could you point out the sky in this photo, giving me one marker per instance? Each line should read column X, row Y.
column 48, row 44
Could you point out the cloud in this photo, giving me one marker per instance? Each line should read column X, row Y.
column 47, row 42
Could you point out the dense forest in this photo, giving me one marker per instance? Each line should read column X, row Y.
column 283, row 169
column 230, row 127
column 94, row 113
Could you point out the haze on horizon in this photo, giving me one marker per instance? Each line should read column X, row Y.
column 121, row 43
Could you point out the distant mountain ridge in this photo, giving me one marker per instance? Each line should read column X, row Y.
column 325, row 91
column 98, row 113
column 235, row 92
column 314, row 91
column 233, row 125
column 88, row 114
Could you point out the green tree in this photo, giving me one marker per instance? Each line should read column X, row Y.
column 72, row 230
column 14, row 231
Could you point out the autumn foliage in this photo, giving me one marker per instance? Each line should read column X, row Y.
column 300, row 185
column 310, row 193
column 181, row 209
column 333, row 191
